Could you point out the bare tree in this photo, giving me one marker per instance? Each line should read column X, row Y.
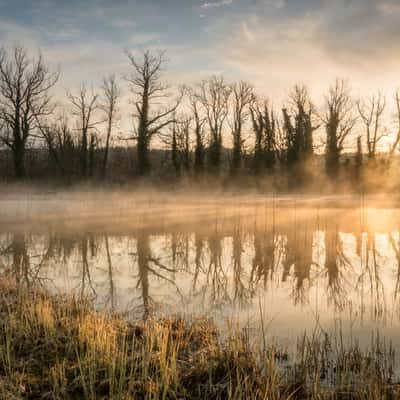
column 171, row 141
column 396, row 140
column 258, row 121
column 339, row 120
column 298, row 126
column 184, row 142
column 24, row 98
column 358, row 163
column 265, row 131
column 178, row 141
column 303, row 111
column 199, row 120
column 60, row 143
column 243, row 96
column 149, row 90
column 214, row 95
column 84, row 105
column 174, row 150
column 111, row 94
column 371, row 115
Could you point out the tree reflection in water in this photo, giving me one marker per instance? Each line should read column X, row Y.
column 204, row 267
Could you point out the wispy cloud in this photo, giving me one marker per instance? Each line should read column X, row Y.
column 143, row 39
column 216, row 4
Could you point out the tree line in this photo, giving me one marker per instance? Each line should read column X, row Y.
column 210, row 128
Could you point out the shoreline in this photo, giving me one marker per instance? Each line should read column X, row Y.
column 58, row 347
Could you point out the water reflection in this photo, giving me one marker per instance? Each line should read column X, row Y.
column 302, row 266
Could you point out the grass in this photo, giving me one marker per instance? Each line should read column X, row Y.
column 55, row 347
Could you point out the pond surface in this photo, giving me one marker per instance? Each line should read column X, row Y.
column 295, row 267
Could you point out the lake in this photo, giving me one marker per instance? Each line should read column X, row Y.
column 291, row 265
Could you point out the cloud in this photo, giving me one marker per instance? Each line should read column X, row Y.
column 216, row 4
column 389, row 7
column 143, row 39
column 277, row 53
column 276, row 3
column 355, row 31
column 122, row 23
column 272, row 42
column 12, row 33
column 273, row 58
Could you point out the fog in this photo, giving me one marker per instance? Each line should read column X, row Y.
column 22, row 204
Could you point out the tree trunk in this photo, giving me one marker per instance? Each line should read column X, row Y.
column 105, row 159
column 215, row 155
column 332, row 164
column 143, row 156
column 174, row 154
column 198, row 154
column 91, row 157
column 19, row 165
column 237, row 155
column 84, row 151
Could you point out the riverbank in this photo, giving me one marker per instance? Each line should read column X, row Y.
column 56, row 347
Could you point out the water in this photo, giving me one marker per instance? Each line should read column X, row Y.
column 298, row 267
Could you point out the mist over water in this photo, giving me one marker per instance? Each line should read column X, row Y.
column 299, row 263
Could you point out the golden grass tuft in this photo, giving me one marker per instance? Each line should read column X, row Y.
column 54, row 347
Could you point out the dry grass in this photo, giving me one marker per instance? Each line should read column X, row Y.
column 59, row 348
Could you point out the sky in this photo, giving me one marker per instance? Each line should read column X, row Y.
column 272, row 43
